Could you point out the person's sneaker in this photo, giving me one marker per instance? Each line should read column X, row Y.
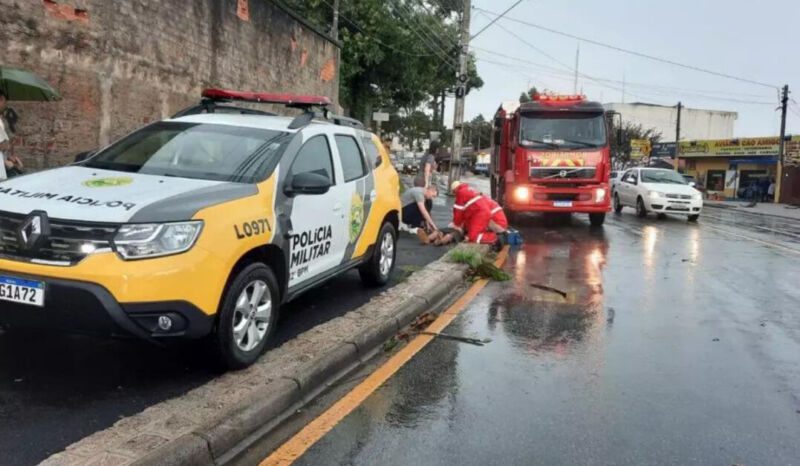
column 404, row 227
column 423, row 236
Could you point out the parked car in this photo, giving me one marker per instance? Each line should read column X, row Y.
column 198, row 226
column 657, row 190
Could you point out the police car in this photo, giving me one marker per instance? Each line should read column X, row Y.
column 201, row 225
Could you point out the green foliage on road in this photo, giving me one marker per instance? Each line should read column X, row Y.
column 480, row 265
column 397, row 55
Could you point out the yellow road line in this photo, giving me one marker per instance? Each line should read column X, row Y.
column 766, row 243
column 296, row 446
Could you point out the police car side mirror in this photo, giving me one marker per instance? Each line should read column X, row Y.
column 308, row 183
column 692, row 184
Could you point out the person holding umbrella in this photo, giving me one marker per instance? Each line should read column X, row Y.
column 17, row 85
column 11, row 164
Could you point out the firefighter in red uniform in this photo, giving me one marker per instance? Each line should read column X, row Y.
column 474, row 214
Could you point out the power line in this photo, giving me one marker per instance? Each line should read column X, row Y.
column 374, row 39
column 496, row 19
column 431, row 44
column 443, row 32
column 633, row 52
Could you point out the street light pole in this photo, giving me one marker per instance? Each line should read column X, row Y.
column 461, row 93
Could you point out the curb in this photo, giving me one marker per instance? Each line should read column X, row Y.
column 751, row 212
column 283, row 381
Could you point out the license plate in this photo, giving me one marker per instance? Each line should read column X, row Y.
column 18, row 290
column 562, row 203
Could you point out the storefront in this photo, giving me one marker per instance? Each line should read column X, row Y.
column 732, row 168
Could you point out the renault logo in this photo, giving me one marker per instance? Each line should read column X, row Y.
column 562, row 173
column 32, row 230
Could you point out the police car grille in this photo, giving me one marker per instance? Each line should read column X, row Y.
column 68, row 242
column 569, row 173
column 678, row 196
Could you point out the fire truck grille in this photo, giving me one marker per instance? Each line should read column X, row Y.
column 67, row 244
column 559, row 173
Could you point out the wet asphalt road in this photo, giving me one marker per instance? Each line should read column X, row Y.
column 55, row 390
column 676, row 344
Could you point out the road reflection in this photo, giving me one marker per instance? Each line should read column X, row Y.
column 556, row 298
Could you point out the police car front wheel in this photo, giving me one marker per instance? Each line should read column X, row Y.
column 247, row 316
column 377, row 270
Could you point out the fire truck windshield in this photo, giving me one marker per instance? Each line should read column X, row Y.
column 567, row 130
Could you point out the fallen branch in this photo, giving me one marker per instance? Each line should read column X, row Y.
column 550, row 289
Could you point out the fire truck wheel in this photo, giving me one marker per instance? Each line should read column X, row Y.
column 597, row 220
column 641, row 210
column 617, row 204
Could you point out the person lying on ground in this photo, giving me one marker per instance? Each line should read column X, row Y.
column 445, row 236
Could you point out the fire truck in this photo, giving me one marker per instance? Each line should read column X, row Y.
column 552, row 155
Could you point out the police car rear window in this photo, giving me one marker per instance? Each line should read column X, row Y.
column 192, row 150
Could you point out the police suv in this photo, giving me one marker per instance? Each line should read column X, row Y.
column 201, row 225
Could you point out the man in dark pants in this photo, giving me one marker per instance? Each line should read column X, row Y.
column 417, row 204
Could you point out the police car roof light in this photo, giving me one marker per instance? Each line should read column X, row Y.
column 292, row 100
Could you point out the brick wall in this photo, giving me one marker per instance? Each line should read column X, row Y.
column 122, row 63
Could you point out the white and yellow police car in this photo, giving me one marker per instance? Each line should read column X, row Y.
column 201, row 225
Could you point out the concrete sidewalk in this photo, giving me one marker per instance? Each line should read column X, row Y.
column 762, row 208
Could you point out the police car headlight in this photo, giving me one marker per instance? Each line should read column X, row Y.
column 697, row 196
column 156, row 239
column 655, row 194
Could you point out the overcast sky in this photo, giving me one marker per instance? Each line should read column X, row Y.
column 753, row 40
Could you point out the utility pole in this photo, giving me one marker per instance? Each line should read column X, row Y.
column 461, row 93
column 782, row 144
column 623, row 88
column 678, row 137
column 577, row 64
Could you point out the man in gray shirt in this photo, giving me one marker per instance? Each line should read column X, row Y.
column 417, row 203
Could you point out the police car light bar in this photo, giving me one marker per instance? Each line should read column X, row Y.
column 267, row 98
column 558, row 98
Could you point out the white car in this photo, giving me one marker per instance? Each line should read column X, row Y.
column 657, row 190
column 613, row 180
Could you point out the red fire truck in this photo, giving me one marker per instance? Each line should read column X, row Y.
column 552, row 155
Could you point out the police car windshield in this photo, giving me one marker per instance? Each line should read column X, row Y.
column 567, row 130
column 195, row 150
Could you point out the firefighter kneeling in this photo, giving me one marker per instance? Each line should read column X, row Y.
column 475, row 216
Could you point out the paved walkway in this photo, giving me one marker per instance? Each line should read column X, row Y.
column 762, row 208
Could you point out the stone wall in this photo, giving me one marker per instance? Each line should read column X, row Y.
column 122, row 63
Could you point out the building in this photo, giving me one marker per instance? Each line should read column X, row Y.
column 727, row 168
column 120, row 65
column 695, row 123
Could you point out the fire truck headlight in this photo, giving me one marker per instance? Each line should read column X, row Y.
column 522, row 194
column 600, row 195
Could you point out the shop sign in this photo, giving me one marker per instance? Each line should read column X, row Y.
column 640, row 148
column 742, row 147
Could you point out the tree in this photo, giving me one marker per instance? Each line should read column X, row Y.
column 527, row 96
column 392, row 54
column 630, row 131
column 478, row 133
